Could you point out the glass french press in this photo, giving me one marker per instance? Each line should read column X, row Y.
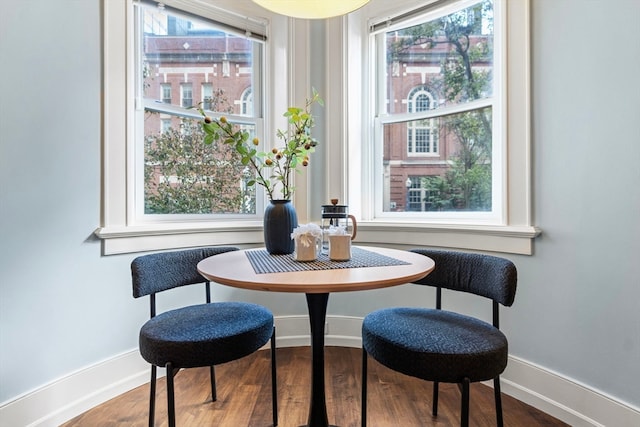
column 335, row 215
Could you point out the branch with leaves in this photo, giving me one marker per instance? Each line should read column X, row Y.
column 272, row 168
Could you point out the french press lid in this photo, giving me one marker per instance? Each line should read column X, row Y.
column 334, row 210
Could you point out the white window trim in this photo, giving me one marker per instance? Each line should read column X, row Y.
column 517, row 233
column 287, row 76
column 119, row 231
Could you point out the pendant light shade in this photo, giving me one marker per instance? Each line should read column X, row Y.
column 311, row 9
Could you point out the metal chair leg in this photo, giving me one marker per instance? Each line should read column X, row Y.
column 152, row 396
column 274, row 379
column 498, row 398
column 434, row 404
column 464, row 412
column 212, row 374
column 363, row 404
column 171, row 409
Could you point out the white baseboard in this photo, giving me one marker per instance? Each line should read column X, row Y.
column 61, row 400
column 565, row 399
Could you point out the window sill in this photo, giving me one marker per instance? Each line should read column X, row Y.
column 506, row 239
column 120, row 240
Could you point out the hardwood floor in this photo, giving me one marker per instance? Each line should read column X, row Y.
column 395, row 400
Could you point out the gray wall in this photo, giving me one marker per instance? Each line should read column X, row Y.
column 64, row 307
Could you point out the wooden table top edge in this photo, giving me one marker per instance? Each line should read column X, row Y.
column 234, row 269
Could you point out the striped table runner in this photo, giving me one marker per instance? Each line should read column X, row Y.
column 263, row 262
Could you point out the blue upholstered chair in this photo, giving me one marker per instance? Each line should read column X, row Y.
column 443, row 346
column 197, row 335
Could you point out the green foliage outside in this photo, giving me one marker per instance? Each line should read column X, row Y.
column 185, row 176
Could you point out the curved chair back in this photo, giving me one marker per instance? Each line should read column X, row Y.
column 485, row 275
column 166, row 270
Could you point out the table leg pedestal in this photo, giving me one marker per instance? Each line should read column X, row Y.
column 317, row 305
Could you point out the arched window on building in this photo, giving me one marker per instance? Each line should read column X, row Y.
column 246, row 102
column 422, row 135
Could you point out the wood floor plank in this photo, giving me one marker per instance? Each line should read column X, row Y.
column 244, row 397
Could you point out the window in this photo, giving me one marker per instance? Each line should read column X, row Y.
column 186, row 95
column 165, row 125
column 424, row 120
column 422, row 135
column 165, row 88
column 452, row 51
column 183, row 176
column 246, row 103
column 418, row 196
column 349, row 135
column 207, row 96
column 158, row 60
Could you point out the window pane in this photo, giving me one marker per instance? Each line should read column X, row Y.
column 450, row 57
column 185, row 176
column 456, row 176
column 184, row 63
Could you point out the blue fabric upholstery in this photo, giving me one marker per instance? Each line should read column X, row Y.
column 206, row 334
column 435, row 345
column 167, row 270
column 485, row 275
column 444, row 346
column 197, row 335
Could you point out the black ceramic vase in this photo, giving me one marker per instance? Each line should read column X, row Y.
column 280, row 219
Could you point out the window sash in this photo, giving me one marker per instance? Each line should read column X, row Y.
column 138, row 215
column 229, row 22
column 381, row 117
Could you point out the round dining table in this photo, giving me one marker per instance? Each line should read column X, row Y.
column 369, row 268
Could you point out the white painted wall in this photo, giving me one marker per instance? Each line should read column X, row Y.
column 64, row 307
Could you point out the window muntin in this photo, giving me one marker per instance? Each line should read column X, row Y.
column 447, row 136
column 177, row 174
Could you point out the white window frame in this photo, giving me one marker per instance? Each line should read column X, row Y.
column 120, row 230
column 515, row 232
column 378, row 109
column 348, row 153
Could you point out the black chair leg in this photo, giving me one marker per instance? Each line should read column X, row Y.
column 152, row 396
column 434, row 405
column 171, row 409
column 212, row 374
column 498, row 397
column 274, row 379
column 464, row 412
column 363, row 404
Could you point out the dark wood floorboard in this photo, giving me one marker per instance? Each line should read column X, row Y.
column 395, row 400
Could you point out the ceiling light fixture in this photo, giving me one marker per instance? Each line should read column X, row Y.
column 311, row 9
